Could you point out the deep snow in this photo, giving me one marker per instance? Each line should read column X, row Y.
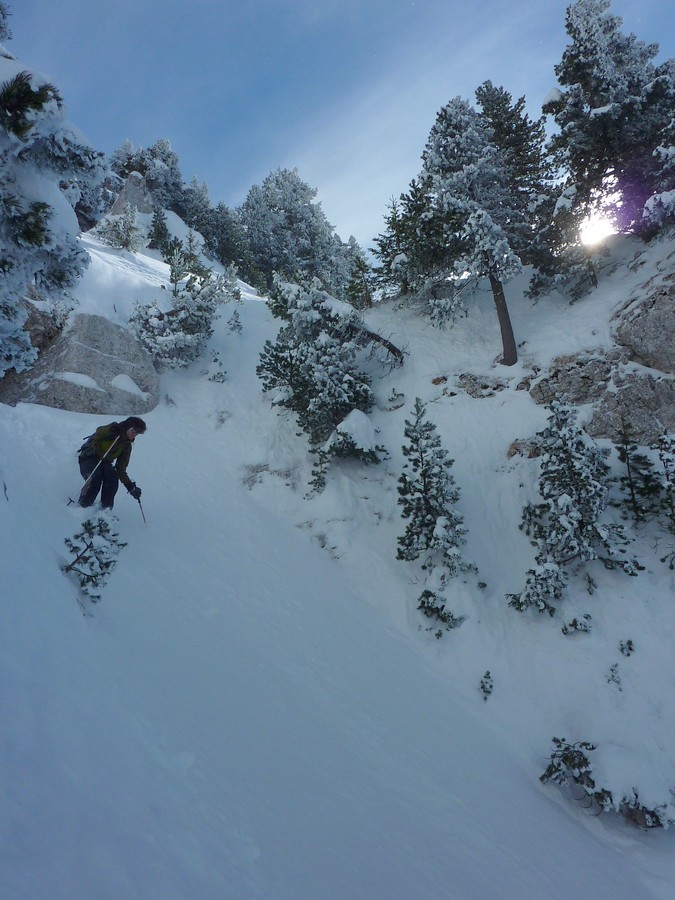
column 251, row 711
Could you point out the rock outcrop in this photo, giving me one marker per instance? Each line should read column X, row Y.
column 135, row 193
column 631, row 387
column 94, row 366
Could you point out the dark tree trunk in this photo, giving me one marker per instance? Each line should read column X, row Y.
column 510, row 353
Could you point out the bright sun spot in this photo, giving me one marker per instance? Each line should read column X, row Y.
column 595, row 229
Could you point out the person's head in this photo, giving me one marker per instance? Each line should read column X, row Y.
column 133, row 426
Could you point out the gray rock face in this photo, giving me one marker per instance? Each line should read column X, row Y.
column 648, row 331
column 575, row 379
column 134, row 192
column 640, row 401
column 645, row 404
column 94, row 366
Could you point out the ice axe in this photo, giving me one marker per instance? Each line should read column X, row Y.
column 140, row 506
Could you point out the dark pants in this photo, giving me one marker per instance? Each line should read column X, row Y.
column 104, row 480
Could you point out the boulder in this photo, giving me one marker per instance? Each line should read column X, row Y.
column 94, row 366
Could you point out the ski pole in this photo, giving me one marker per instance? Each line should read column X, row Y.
column 141, row 508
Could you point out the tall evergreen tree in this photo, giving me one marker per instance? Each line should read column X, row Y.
column 158, row 236
column 611, row 113
column 479, row 209
column 521, row 142
column 289, row 233
column 640, row 484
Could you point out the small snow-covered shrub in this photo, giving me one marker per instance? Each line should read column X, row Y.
column 432, row 605
column 486, row 685
column 569, row 764
column 96, row 548
column 582, row 623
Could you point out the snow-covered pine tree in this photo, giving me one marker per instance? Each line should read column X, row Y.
column 427, row 496
column 175, row 256
column 312, row 366
column 659, row 210
column 44, row 166
column 227, row 239
column 177, row 336
column 611, row 113
column 196, row 209
column 666, row 450
column 416, row 254
column 481, row 212
column 359, row 290
column 435, row 531
column 390, row 250
column 289, row 233
column 5, row 32
column 521, row 142
column 567, row 527
column 159, row 166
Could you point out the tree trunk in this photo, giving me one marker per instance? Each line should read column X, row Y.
column 510, row 353
column 364, row 335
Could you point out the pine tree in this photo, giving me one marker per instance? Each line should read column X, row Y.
column 44, row 167
column 289, row 234
column 312, row 366
column 390, row 275
column 5, row 32
column 478, row 208
column 159, row 235
column 176, row 257
column 611, row 113
column 176, row 337
column 666, row 451
column 435, row 531
column 359, row 291
column 640, row 483
column 427, row 496
column 521, row 143
column 567, row 527
column 660, row 208
column 121, row 231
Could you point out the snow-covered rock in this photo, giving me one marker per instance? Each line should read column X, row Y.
column 94, row 366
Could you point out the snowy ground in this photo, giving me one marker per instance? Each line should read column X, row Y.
column 252, row 711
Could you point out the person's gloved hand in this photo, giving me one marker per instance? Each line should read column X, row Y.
column 135, row 491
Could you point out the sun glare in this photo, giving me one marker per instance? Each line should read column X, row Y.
column 595, row 229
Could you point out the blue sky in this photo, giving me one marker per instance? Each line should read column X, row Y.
column 343, row 90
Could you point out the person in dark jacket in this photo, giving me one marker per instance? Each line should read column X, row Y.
column 104, row 458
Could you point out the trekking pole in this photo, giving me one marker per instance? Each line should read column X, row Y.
column 102, row 459
column 141, row 508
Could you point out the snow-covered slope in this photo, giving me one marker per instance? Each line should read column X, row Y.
column 251, row 711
